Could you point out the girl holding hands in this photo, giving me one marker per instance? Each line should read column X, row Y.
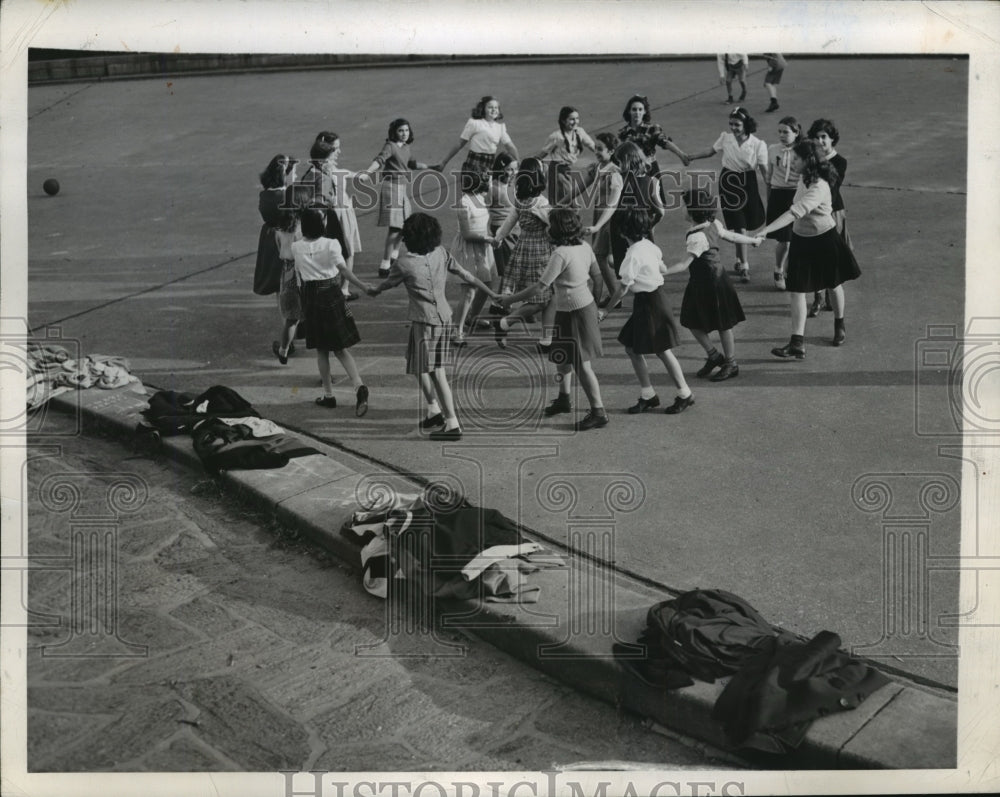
column 651, row 328
column 395, row 160
column 818, row 256
column 423, row 267
column 472, row 245
column 782, row 180
column 578, row 337
column 743, row 157
column 330, row 325
column 484, row 133
column 561, row 150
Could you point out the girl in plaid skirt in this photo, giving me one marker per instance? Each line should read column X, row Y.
column 531, row 253
column 485, row 134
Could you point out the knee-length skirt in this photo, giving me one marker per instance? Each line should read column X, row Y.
column 651, row 328
column 818, row 262
column 429, row 347
column 740, row 200
column 577, row 337
column 393, row 202
column 779, row 201
column 710, row 301
column 349, row 224
column 329, row 322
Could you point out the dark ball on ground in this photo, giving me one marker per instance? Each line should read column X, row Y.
column 51, row 186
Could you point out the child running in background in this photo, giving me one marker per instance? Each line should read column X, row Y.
column 501, row 204
column 733, row 66
column 289, row 295
column 423, row 267
column 578, row 337
column 743, row 157
column 330, row 325
column 609, row 181
column 472, row 246
column 775, row 68
column 395, row 160
column 561, row 150
column 531, row 253
column 710, row 302
column 782, row 179
column 651, row 328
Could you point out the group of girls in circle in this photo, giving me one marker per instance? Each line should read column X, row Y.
column 514, row 247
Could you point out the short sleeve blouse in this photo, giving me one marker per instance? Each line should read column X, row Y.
column 484, row 136
column 317, row 259
column 736, row 157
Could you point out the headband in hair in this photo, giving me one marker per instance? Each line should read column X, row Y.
column 740, row 112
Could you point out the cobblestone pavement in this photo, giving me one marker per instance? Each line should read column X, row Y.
column 237, row 647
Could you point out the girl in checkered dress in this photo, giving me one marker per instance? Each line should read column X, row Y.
column 531, row 253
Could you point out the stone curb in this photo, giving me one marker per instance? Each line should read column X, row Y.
column 901, row 726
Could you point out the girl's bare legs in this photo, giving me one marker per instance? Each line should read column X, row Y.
column 430, row 396
column 728, row 343
column 440, row 380
column 588, row 381
column 463, row 311
column 350, row 367
column 287, row 335
column 797, row 304
column 675, row 372
column 346, row 286
column 839, row 301
column 391, row 249
column 780, row 259
column 703, row 340
column 323, row 362
column 641, row 370
column 610, row 280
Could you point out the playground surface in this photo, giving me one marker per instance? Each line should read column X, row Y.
column 824, row 492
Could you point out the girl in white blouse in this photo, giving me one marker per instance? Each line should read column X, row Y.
column 484, row 133
column 818, row 256
column 743, row 154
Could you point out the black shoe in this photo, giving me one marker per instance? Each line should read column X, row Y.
column 559, row 405
column 446, row 434
column 291, row 349
column 839, row 335
column 592, row 420
column 500, row 310
column 827, row 303
column 361, row 406
column 743, row 97
column 727, row 371
column 644, row 404
column 383, row 273
column 773, row 106
column 276, row 348
column 327, row 401
column 680, row 404
column 350, row 297
column 815, row 307
column 711, row 363
column 788, row 351
column 434, row 420
column 499, row 333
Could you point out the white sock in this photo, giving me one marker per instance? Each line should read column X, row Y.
column 545, row 340
column 433, row 409
column 504, row 324
column 685, row 393
column 395, row 253
column 384, row 265
column 450, row 423
column 647, row 393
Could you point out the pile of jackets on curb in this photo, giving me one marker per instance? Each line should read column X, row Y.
column 228, row 432
column 448, row 551
column 52, row 371
column 779, row 683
